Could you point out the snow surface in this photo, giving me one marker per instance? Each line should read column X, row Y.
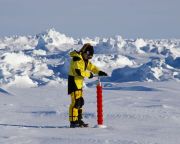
column 141, row 94
column 134, row 113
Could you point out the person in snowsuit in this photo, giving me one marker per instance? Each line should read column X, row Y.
column 80, row 68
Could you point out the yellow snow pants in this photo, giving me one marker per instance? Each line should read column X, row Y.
column 75, row 108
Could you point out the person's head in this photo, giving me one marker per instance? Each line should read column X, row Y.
column 87, row 51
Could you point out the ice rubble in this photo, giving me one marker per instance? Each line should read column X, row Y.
column 42, row 59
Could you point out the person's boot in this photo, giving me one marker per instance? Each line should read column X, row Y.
column 74, row 124
column 80, row 121
column 82, row 124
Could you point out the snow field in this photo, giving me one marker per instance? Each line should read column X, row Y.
column 134, row 113
column 140, row 96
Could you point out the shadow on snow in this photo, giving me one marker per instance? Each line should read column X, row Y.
column 131, row 88
column 4, row 92
column 32, row 126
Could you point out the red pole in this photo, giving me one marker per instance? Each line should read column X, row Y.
column 99, row 104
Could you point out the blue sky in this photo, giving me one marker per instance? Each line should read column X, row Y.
column 80, row 18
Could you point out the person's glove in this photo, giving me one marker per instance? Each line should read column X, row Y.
column 91, row 75
column 101, row 73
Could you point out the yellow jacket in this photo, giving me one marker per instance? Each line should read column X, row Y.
column 78, row 71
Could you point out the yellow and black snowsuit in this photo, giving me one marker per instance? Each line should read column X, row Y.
column 77, row 73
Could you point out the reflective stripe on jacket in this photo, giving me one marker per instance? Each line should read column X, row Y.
column 78, row 71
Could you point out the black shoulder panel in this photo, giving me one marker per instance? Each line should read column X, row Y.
column 76, row 58
column 78, row 72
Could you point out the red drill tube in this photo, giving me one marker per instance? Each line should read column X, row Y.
column 99, row 104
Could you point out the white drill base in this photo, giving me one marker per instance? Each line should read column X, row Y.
column 100, row 126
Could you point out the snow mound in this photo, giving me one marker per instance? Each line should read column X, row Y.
column 155, row 70
column 22, row 82
column 173, row 61
column 16, row 59
column 17, row 43
column 140, row 43
column 39, row 52
column 110, row 45
column 52, row 40
column 110, row 61
column 41, row 70
column 18, row 67
column 14, row 65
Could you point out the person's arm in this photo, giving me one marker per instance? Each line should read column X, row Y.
column 79, row 69
column 95, row 70
column 92, row 68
